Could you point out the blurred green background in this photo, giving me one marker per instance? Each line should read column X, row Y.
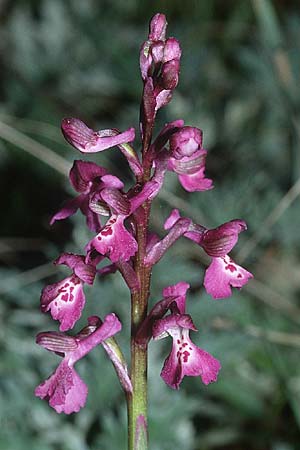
column 239, row 82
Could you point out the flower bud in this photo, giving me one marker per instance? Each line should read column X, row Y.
column 171, row 50
column 157, row 51
column 169, row 74
column 158, row 27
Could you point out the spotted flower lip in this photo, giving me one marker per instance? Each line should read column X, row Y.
column 64, row 389
column 86, row 140
column 114, row 240
column 222, row 274
column 185, row 359
column 65, row 300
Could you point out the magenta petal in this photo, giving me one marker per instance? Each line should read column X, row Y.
column 78, row 134
column 179, row 291
column 172, row 219
column 222, row 274
column 163, row 98
column 186, row 142
column 172, row 371
column 167, row 131
column 174, row 299
column 64, row 389
column 65, row 300
column 114, row 240
column 158, row 27
column 188, row 359
column 69, row 208
column 172, row 50
column 170, row 324
column 220, row 241
column 103, row 330
column 111, row 181
column 83, row 173
column 86, row 272
column 117, row 202
column 57, row 342
column 92, row 218
column 196, row 181
column 69, row 259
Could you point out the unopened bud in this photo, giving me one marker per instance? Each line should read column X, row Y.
column 157, row 28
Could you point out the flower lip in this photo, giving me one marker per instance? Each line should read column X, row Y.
column 222, row 274
column 64, row 389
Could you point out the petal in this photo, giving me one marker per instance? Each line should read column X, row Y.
column 83, row 173
column 65, row 300
column 173, row 217
column 168, row 130
column 102, row 331
column 114, row 240
column 69, row 259
column 179, row 291
column 86, row 272
column 70, row 207
column 196, row 181
column 186, row 142
column 171, row 324
column 172, row 50
column 116, row 201
column 78, row 134
column 170, row 74
column 221, row 240
column 197, row 362
column 173, row 296
column 163, row 98
column 92, row 218
column 172, row 370
column 64, row 389
column 158, row 27
column 111, row 181
column 188, row 165
column 57, row 342
column 222, row 274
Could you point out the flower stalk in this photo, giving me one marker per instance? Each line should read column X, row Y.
column 126, row 240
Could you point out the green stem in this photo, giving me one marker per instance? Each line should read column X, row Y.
column 137, row 401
